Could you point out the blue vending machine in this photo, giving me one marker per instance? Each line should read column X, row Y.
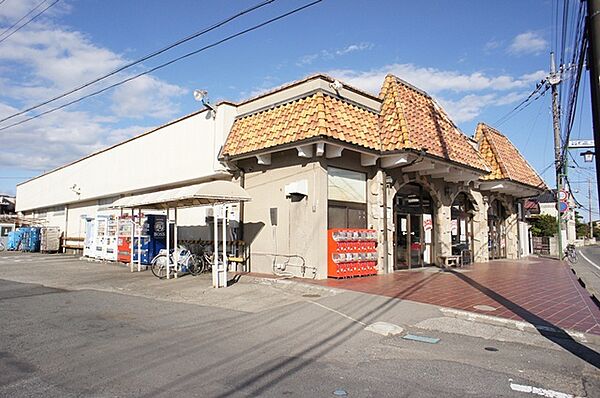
column 153, row 238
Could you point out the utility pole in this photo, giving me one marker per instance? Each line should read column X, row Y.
column 554, row 81
column 590, row 207
column 593, row 61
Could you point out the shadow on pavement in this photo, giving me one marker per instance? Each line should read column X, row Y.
column 550, row 331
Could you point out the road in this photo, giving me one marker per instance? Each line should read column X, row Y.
column 64, row 343
column 587, row 268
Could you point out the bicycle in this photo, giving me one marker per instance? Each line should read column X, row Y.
column 570, row 253
column 186, row 262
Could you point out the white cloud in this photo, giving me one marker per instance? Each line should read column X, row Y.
column 331, row 54
column 470, row 106
column 45, row 59
column 463, row 96
column 434, row 80
column 146, row 95
column 528, row 43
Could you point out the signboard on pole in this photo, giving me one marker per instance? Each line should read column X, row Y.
column 581, row 144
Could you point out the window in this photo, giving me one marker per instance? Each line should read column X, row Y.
column 5, row 230
column 346, row 215
column 346, row 186
column 347, row 198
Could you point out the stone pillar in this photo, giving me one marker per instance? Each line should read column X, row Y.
column 480, row 228
column 443, row 223
column 376, row 186
column 512, row 233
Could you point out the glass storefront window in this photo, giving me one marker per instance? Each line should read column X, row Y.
column 462, row 227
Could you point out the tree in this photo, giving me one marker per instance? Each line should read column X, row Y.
column 582, row 230
column 544, row 225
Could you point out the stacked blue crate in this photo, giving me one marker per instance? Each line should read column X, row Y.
column 32, row 240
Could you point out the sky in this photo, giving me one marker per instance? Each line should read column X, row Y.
column 478, row 59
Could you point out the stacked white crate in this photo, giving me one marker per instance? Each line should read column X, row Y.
column 50, row 239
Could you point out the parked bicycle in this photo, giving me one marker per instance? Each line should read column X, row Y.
column 570, row 253
column 186, row 262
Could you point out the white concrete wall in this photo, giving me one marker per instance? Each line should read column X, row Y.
column 301, row 225
column 185, row 150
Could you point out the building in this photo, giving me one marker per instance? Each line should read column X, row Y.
column 315, row 155
column 7, row 204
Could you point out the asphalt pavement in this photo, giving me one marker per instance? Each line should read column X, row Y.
column 587, row 269
column 60, row 342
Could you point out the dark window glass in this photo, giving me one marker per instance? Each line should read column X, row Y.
column 337, row 217
column 346, row 215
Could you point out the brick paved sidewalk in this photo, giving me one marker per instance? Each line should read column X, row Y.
column 539, row 291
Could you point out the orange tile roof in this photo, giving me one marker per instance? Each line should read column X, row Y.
column 411, row 119
column 504, row 158
column 316, row 115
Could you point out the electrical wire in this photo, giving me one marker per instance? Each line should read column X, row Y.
column 142, row 59
column 163, row 65
column 28, row 22
column 525, row 103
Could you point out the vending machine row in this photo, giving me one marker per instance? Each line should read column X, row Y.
column 351, row 252
column 113, row 238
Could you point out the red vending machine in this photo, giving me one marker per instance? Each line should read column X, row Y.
column 124, row 239
column 351, row 252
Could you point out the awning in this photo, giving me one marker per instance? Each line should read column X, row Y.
column 208, row 193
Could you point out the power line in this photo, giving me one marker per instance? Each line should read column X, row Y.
column 144, row 58
column 525, row 103
column 28, row 22
column 214, row 44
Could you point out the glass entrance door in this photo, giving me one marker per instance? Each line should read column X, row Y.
column 414, row 228
column 413, row 241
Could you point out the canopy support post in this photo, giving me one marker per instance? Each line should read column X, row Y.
column 168, row 260
column 175, row 245
column 139, row 246
column 215, row 271
column 223, row 271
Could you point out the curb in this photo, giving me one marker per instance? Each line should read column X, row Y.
column 595, row 295
column 521, row 325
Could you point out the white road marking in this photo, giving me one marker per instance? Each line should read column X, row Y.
column 589, row 261
column 339, row 313
column 539, row 391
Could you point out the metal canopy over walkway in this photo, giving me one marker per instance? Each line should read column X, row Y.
column 214, row 193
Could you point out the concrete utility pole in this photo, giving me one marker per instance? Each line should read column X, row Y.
column 554, row 81
column 593, row 31
column 590, row 207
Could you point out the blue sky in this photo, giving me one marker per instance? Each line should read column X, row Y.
column 477, row 58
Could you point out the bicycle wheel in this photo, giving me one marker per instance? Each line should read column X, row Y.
column 572, row 256
column 159, row 266
column 193, row 265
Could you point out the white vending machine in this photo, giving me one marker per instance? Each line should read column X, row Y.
column 89, row 243
column 110, row 250
column 100, row 237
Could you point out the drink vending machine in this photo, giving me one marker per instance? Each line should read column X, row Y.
column 89, row 243
column 124, row 238
column 99, row 236
column 151, row 239
column 109, row 249
column 351, row 252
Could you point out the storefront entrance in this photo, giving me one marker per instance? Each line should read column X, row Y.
column 413, row 241
column 462, row 228
column 497, row 230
